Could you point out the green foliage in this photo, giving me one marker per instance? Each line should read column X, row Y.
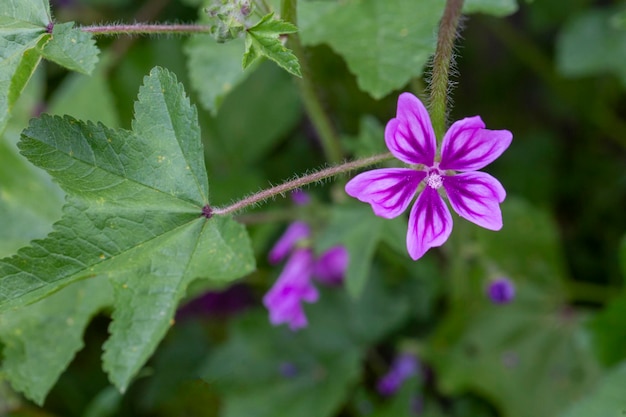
column 24, row 38
column 607, row 399
column 493, row 7
column 322, row 361
column 373, row 37
column 132, row 215
column 41, row 340
column 531, row 348
column 355, row 227
column 71, row 48
column 215, row 69
column 262, row 40
column 590, row 45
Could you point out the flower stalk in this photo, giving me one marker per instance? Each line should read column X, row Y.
column 145, row 29
column 438, row 100
column 299, row 183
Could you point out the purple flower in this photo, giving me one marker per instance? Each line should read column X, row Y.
column 292, row 287
column 331, row 266
column 296, row 232
column 501, row 291
column 466, row 147
column 300, row 198
column 402, row 368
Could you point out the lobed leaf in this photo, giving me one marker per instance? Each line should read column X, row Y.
column 41, row 340
column 133, row 215
column 72, row 48
column 373, row 37
column 262, row 39
column 24, row 38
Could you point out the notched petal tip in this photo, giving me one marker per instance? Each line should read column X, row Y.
column 410, row 136
column 430, row 224
column 468, row 146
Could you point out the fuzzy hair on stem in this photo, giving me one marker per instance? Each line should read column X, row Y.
column 442, row 66
column 299, row 182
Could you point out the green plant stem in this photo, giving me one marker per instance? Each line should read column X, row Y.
column 285, row 187
column 145, row 29
column 438, row 102
column 310, row 97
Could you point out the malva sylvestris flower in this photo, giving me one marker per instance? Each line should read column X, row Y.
column 466, row 147
column 294, row 284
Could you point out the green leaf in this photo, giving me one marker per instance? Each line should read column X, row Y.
column 607, row 399
column 498, row 8
column 19, row 57
column 215, row 69
column 133, row 214
column 72, row 48
column 41, row 339
column 358, row 229
column 262, row 39
column 590, row 45
column 35, row 12
column 22, row 32
column 374, row 36
column 29, row 203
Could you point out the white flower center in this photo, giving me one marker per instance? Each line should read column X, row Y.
column 434, row 179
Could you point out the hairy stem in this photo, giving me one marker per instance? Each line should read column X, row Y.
column 299, row 183
column 441, row 65
column 310, row 97
column 145, row 29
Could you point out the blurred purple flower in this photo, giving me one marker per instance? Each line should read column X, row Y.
column 330, row 267
column 501, row 291
column 291, row 288
column 466, row 147
column 300, row 198
column 218, row 303
column 295, row 233
column 294, row 285
column 288, row 369
column 402, row 368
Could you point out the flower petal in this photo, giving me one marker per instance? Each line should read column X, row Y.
column 410, row 136
column 388, row 190
column 430, row 223
column 476, row 196
column 330, row 268
column 292, row 287
column 468, row 146
column 295, row 232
